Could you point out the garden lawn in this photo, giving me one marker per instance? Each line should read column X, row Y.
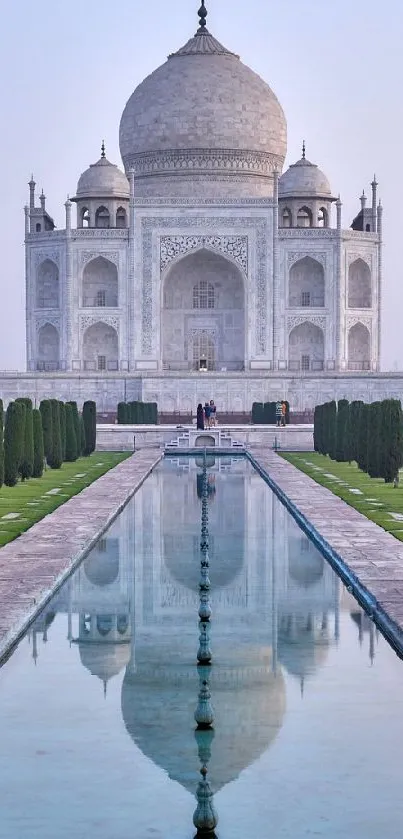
column 29, row 501
column 373, row 498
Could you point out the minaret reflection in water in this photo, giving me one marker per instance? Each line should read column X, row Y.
column 205, row 818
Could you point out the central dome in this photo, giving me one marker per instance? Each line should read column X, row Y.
column 203, row 116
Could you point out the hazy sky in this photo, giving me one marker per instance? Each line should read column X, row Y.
column 68, row 68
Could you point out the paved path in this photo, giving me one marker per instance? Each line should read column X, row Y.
column 33, row 564
column 374, row 556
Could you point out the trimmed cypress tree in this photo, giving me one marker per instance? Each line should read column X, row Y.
column 71, row 439
column 332, row 429
column 27, row 463
column 317, row 429
column 362, row 453
column 266, row 413
column 57, row 456
column 46, row 414
column 90, row 426
column 13, row 442
column 257, row 413
column 122, row 413
column 394, row 447
column 82, row 436
column 77, row 427
column 1, row 443
column 155, row 412
column 341, row 425
column 62, row 411
column 354, row 430
column 374, row 440
column 39, row 455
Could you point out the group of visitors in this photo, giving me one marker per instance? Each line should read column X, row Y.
column 281, row 412
column 207, row 415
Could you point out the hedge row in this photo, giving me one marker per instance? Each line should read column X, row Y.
column 264, row 413
column 53, row 434
column 369, row 434
column 137, row 413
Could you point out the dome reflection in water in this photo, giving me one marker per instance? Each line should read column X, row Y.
column 275, row 612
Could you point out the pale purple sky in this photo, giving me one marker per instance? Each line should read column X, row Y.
column 67, row 70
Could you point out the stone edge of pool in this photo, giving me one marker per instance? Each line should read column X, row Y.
column 367, row 559
column 37, row 563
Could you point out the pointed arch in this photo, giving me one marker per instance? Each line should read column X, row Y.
column 359, row 285
column 359, row 347
column 121, row 217
column 203, row 300
column 101, row 347
column 100, row 284
column 306, row 286
column 48, row 349
column 304, row 217
column 286, row 217
column 47, row 285
column 306, row 347
column 102, row 217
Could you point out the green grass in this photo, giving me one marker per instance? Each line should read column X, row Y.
column 377, row 500
column 30, row 498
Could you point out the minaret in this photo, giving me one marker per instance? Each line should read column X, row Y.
column 42, row 199
column 380, row 269
column 363, row 200
column 32, row 186
column 374, row 186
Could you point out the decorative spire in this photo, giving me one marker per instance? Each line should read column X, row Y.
column 303, row 150
column 103, row 149
column 202, row 18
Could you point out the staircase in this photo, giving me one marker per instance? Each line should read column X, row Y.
column 187, row 440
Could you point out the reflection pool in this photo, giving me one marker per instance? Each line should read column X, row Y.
column 97, row 702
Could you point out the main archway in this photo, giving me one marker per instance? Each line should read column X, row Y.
column 203, row 314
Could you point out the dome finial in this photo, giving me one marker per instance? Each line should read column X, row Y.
column 103, row 149
column 303, row 150
column 202, row 15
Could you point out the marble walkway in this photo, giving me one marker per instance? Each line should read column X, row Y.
column 374, row 556
column 41, row 558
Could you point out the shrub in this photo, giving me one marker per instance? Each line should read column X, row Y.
column 257, row 413
column 77, row 426
column 155, row 412
column 13, row 442
column 122, row 413
column 46, row 414
column 71, row 439
column 394, row 446
column 331, row 429
column 56, row 458
column 362, row 452
column 27, row 451
column 82, row 435
column 62, row 411
column 90, row 426
column 1, row 443
column 37, row 469
column 374, row 462
column 317, row 429
column 341, row 427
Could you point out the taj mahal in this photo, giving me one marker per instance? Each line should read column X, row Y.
column 202, row 260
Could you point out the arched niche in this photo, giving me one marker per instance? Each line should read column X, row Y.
column 323, row 217
column 359, row 347
column 306, row 347
column 48, row 356
column 85, row 217
column 286, row 217
column 101, row 347
column 203, row 300
column 102, row 218
column 47, row 285
column 306, row 285
column 359, row 285
column 304, row 217
column 100, row 283
column 121, row 217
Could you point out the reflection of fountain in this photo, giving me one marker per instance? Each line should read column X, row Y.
column 205, row 818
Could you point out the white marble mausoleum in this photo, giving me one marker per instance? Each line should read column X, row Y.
column 201, row 268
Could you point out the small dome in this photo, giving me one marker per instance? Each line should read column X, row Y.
column 304, row 179
column 104, row 660
column 103, row 180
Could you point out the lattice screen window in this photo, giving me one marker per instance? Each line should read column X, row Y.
column 203, row 295
column 101, row 362
column 203, row 347
column 305, row 362
column 101, row 298
column 306, row 298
